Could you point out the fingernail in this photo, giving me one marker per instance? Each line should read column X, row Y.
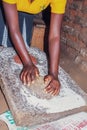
column 28, row 84
column 45, row 91
column 45, row 82
column 24, row 83
column 32, row 82
column 37, row 75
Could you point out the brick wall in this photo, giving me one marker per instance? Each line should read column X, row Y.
column 74, row 30
column 73, row 34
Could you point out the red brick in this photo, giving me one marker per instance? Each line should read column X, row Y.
column 74, row 29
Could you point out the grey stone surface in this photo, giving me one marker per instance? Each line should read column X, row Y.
column 37, row 88
column 29, row 109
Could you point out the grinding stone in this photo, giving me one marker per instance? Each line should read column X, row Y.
column 30, row 109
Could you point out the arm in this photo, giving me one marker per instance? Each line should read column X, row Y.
column 54, row 54
column 54, row 43
column 18, row 42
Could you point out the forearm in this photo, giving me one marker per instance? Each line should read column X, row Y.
column 11, row 16
column 54, row 43
column 19, row 45
column 54, row 56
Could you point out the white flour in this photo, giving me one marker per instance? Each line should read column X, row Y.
column 69, row 101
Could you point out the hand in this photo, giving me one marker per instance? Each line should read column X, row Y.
column 54, row 85
column 29, row 73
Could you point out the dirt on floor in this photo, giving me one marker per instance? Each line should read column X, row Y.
column 74, row 70
column 67, row 63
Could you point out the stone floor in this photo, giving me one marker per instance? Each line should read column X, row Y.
column 66, row 62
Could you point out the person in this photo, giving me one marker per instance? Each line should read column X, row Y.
column 30, row 71
column 26, row 28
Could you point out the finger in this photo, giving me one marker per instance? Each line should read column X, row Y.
column 33, row 76
column 47, row 78
column 53, row 89
column 28, row 79
column 25, row 78
column 47, row 88
column 37, row 73
column 54, row 92
column 50, row 90
column 22, row 77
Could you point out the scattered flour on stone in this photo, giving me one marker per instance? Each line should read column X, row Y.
column 69, row 101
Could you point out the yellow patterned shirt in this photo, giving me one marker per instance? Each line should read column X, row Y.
column 57, row 6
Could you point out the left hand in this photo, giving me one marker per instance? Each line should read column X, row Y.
column 28, row 74
column 54, row 85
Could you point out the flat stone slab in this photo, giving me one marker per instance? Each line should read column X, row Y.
column 29, row 109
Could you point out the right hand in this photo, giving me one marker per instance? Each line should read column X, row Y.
column 29, row 73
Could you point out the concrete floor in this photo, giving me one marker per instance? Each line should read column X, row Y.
column 68, row 65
